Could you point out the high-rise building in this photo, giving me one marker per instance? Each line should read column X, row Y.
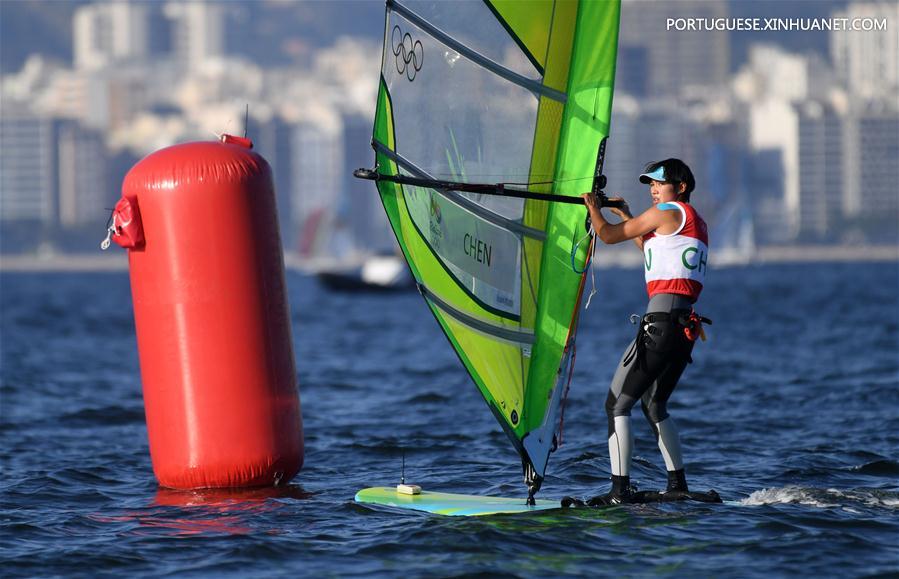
column 109, row 32
column 53, row 172
column 821, row 152
column 774, row 124
column 317, row 175
column 765, row 192
column 360, row 202
column 632, row 72
column 83, row 176
column 671, row 59
column 104, row 100
column 272, row 139
column 871, row 172
column 198, row 31
column 782, row 75
column 868, row 60
column 28, row 175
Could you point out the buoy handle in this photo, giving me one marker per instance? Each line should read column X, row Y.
column 235, row 140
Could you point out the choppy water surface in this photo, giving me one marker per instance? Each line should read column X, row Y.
column 791, row 411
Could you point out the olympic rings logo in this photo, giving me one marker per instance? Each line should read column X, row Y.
column 409, row 55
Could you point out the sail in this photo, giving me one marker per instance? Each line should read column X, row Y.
column 478, row 99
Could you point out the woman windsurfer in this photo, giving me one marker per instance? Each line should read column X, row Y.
column 674, row 241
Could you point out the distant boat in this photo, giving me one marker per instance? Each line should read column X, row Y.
column 734, row 237
column 374, row 274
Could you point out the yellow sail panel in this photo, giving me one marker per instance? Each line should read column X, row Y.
column 527, row 24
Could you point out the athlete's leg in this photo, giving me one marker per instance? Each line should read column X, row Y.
column 655, row 408
column 645, row 359
column 634, row 375
column 618, row 410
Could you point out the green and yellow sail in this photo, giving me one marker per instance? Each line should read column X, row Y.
column 497, row 92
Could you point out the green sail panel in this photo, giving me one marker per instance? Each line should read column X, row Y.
column 496, row 92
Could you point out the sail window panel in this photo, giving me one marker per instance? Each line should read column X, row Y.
column 474, row 24
column 460, row 121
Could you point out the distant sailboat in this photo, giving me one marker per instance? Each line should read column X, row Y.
column 733, row 237
column 375, row 273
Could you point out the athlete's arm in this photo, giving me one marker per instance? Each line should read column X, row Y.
column 624, row 213
column 650, row 220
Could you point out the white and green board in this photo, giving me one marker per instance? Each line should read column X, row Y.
column 450, row 503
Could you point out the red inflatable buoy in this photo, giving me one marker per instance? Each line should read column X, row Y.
column 211, row 314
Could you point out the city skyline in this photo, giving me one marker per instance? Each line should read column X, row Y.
column 788, row 147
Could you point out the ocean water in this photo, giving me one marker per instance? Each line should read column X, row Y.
column 790, row 411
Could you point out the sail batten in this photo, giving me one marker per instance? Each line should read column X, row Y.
column 502, row 333
column 481, row 211
column 502, row 275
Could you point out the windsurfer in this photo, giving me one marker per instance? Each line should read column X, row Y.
column 674, row 241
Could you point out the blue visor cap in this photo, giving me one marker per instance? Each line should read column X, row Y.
column 657, row 175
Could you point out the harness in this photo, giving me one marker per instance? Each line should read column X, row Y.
column 655, row 331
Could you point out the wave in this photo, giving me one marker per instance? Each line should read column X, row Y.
column 879, row 468
column 105, row 415
column 428, row 398
column 823, row 498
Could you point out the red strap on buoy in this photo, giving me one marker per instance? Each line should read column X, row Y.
column 126, row 226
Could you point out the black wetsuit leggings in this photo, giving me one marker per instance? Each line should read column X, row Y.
column 650, row 371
